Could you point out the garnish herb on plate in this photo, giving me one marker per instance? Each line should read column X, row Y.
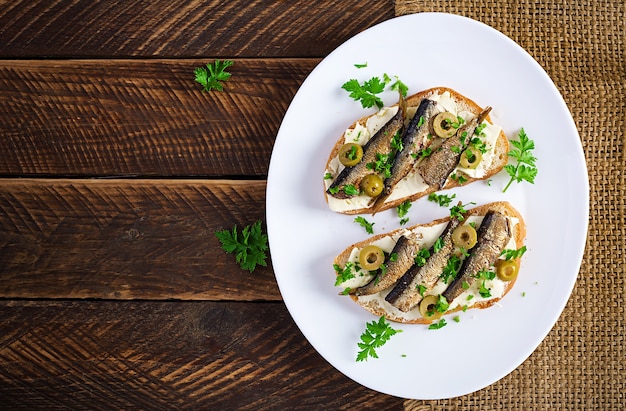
column 458, row 211
column 443, row 200
column 525, row 169
column 365, row 224
column 439, row 324
column 360, row 65
column 513, row 254
column 376, row 334
column 367, row 92
column 249, row 245
column 343, row 274
column 212, row 75
column 403, row 209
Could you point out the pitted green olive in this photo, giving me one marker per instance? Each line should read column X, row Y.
column 371, row 257
column 507, row 270
column 428, row 308
column 442, row 124
column 470, row 158
column 464, row 236
column 372, row 185
column 350, row 154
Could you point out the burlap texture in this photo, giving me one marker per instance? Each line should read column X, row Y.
column 580, row 44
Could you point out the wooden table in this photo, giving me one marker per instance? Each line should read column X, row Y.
column 116, row 170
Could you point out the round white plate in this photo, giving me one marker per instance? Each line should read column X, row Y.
column 427, row 50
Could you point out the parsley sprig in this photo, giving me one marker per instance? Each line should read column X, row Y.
column 211, row 76
column 525, row 169
column 443, row 200
column 249, row 245
column 367, row 92
column 376, row 334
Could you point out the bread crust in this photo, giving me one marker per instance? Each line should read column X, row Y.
column 501, row 206
column 499, row 160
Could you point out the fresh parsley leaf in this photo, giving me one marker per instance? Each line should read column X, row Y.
column 438, row 245
column 458, row 211
column 376, row 334
column 456, row 319
column 403, row 209
column 451, row 269
column 365, row 224
column 328, row 176
column 400, row 86
column 363, row 65
column 484, row 291
column 421, row 289
column 442, row 304
column 443, row 200
column 513, row 254
column 382, row 164
column 422, row 255
column 343, row 274
column 396, row 142
column 249, row 245
column 440, row 324
column 459, row 178
column 525, row 169
column 366, row 93
column 211, row 76
column 351, row 190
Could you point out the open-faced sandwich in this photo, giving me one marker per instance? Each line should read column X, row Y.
column 433, row 140
column 417, row 274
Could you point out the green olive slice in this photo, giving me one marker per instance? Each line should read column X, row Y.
column 372, row 185
column 350, row 154
column 507, row 270
column 470, row 158
column 442, row 124
column 371, row 257
column 464, row 236
column 428, row 308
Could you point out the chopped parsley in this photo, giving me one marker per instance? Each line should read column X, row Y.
column 402, row 210
column 451, row 269
column 459, row 178
column 421, row 289
column 343, row 274
column 443, row 200
column 328, row 176
column 440, row 324
column 362, row 65
column 458, row 211
column 382, row 164
column 456, row 319
column 438, row 245
column 369, row 227
column 422, row 255
column 513, row 254
column 351, row 190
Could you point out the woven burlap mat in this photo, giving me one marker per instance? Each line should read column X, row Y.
column 580, row 44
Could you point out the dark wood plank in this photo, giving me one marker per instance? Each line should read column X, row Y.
column 141, row 118
column 166, row 355
column 186, row 28
column 125, row 239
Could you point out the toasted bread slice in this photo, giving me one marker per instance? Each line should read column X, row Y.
column 412, row 187
column 426, row 235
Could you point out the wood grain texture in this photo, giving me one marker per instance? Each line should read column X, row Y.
column 125, row 239
column 186, row 28
column 141, row 118
column 166, row 355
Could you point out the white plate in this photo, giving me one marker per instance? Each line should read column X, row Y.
column 426, row 50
